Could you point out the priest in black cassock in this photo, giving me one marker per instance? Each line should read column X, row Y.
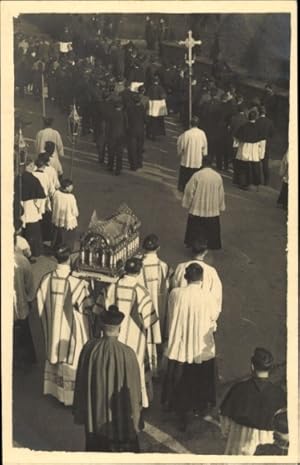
column 29, row 197
column 107, row 398
column 248, row 408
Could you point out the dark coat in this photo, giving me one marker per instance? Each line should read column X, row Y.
column 136, row 116
column 107, row 398
column 253, row 403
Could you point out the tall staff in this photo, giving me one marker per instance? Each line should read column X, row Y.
column 74, row 126
column 190, row 42
column 21, row 159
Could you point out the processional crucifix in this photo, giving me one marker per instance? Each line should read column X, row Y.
column 190, row 42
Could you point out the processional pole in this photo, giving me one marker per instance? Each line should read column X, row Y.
column 74, row 126
column 21, row 160
column 190, row 42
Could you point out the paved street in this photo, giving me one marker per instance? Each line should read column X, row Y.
column 251, row 265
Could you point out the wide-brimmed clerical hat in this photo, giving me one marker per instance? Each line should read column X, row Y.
column 112, row 316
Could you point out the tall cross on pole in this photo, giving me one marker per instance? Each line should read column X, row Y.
column 190, row 42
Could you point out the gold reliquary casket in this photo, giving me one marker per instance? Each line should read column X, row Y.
column 108, row 243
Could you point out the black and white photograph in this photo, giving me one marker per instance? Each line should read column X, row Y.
column 149, row 230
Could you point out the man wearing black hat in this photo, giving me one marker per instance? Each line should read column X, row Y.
column 107, row 398
column 140, row 329
column 248, row 408
column 192, row 320
column 136, row 116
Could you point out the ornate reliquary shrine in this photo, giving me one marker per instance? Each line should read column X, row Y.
column 108, row 243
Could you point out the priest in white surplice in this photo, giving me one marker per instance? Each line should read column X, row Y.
column 48, row 134
column 210, row 282
column 190, row 379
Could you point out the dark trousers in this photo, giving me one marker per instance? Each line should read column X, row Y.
column 100, row 140
column 33, row 235
column 224, row 152
column 23, row 345
column 115, row 152
column 135, row 150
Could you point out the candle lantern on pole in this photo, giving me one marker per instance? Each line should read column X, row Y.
column 189, row 43
column 74, row 128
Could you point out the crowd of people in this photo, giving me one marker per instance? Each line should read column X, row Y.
column 104, row 350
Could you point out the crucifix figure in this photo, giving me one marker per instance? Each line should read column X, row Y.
column 190, row 42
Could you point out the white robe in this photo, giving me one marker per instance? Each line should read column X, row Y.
column 243, row 440
column 49, row 134
column 210, row 282
column 192, row 316
column 64, row 210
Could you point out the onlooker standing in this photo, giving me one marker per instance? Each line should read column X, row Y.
column 248, row 408
column 52, row 135
column 108, row 400
column 191, row 148
column 64, row 215
column 238, row 120
column 157, row 110
column 204, row 198
column 190, row 379
column 136, row 117
column 116, row 131
column 251, row 151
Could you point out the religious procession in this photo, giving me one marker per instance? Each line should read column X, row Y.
column 126, row 328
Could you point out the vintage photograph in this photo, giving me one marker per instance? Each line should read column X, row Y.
column 150, row 231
